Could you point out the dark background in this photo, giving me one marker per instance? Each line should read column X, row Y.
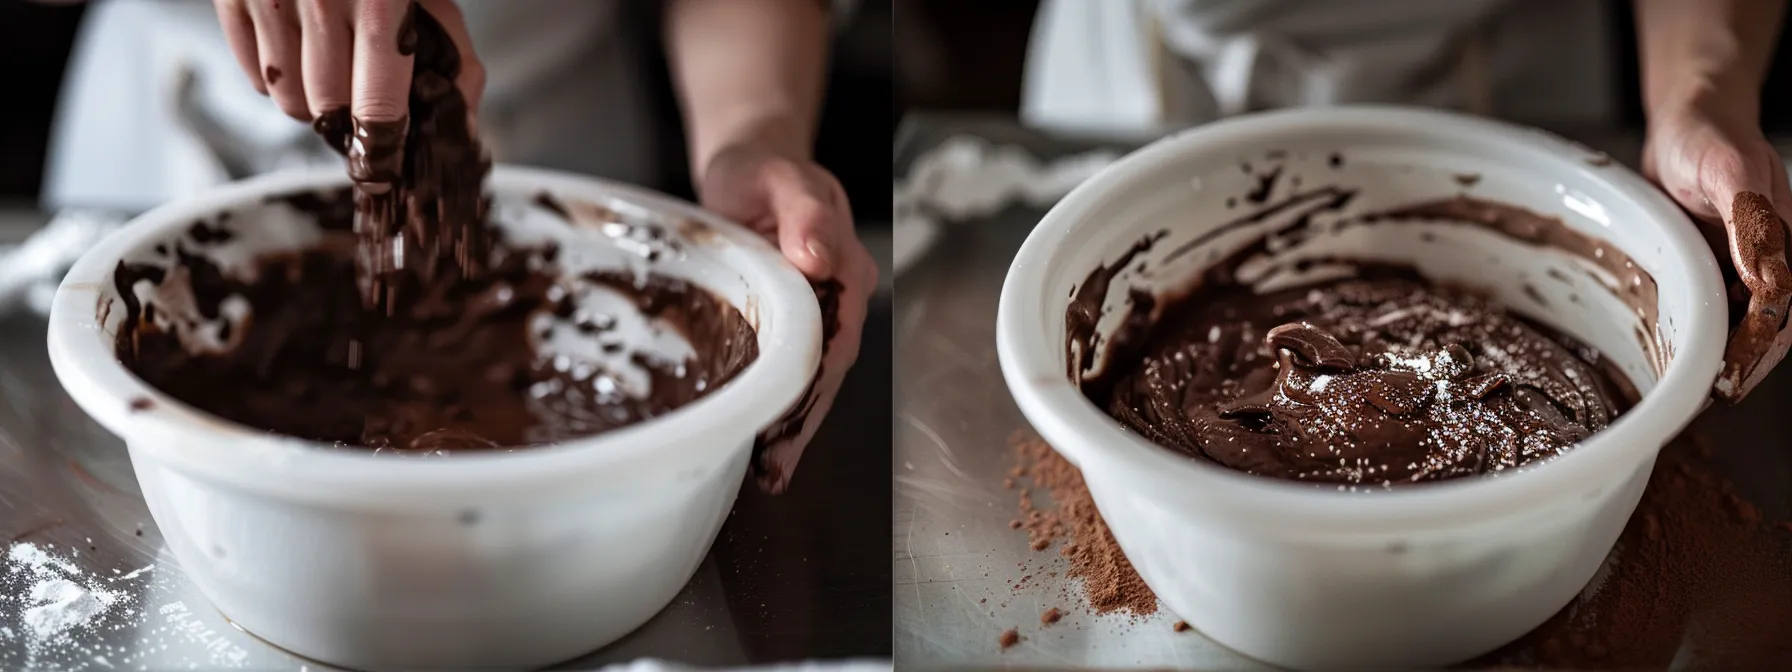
column 959, row 55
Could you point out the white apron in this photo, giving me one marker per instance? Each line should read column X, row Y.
column 1147, row 66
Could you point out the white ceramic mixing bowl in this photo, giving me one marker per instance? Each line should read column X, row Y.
column 1306, row 576
column 473, row 561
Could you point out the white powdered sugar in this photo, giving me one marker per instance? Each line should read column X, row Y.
column 55, row 597
column 60, row 605
column 53, row 606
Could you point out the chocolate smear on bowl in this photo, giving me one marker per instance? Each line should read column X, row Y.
column 1375, row 378
column 771, row 477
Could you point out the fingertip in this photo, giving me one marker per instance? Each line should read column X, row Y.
column 810, row 255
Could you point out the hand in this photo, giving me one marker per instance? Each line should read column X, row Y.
column 1715, row 162
column 801, row 208
column 318, row 56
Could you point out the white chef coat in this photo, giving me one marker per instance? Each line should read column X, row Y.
column 1147, row 66
column 561, row 92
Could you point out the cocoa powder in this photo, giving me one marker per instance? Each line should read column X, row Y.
column 1693, row 569
column 1108, row 578
column 1757, row 254
column 1696, row 568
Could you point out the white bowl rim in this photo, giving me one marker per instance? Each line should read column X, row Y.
column 85, row 362
column 1093, row 440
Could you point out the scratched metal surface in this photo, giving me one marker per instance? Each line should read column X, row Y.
column 794, row 577
column 956, row 558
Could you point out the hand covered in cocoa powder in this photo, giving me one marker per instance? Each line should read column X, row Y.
column 318, row 56
column 801, row 208
column 1717, row 164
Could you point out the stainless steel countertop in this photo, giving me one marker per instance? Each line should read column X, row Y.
column 799, row 576
column 954, row 553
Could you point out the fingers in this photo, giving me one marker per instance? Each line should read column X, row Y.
column 239, row 32
column 326, row 51
column 810, row 223
column 471, row 80
column 277, row 45
column 381, row 73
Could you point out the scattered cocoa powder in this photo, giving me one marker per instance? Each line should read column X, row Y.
column 1050, row 616
column 1694, row 566
column 1109, row 581
column 1009, row 637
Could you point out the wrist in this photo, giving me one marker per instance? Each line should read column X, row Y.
column 769, row 128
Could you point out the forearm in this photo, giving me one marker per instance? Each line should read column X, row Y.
column 748, row 70
column 1712, row 54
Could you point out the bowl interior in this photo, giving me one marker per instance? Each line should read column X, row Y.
column 606, row 334
column 1194, row 193
column 1193, row 198
column 604, row 225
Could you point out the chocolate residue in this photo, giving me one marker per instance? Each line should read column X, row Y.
column 1468, row 179
column 427, row 216
column 1266, row 183
column 1050, row 616
column 141, row 404
column 1009, row 637
column 454, row 369
column 1180, row 626
column 1757, row 247
column 272, row 75
column 789, row 425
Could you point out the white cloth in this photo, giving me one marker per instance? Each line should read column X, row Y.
column 1147, row 66
column 561, row 92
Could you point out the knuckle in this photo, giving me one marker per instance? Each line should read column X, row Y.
column 374, row 109
column 320, row 14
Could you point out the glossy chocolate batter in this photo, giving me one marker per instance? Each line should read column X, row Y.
column 419, row 180
column 1381, row 379
column 1377, row 379
column 456, row 368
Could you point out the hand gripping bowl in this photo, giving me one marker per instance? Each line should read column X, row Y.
column 481, row 560
column 1307, row 576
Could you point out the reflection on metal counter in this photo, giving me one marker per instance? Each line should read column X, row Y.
column 965, row 576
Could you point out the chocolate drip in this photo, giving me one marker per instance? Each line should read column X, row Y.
column 421, row 206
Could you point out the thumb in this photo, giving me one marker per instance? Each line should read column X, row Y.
column 807, row 221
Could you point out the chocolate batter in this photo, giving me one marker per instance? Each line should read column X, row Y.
column 1376, row 379
column 1380, row 379
column 291, row 349
column 419, row 180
